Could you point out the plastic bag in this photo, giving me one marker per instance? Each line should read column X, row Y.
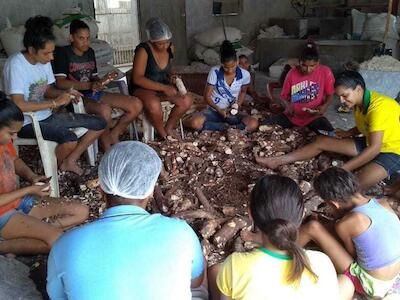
column 12, row 38
column 215, row 36
column 358, row 20
column 211, row 57
column 374, row 27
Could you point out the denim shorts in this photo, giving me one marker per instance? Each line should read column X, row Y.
column 57, row 127
column 215, row 122
column 25, row 206
column 389, row 161
column 96, row 96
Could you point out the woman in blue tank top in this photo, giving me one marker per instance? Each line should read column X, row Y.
column 151, row 80
column 368, row 253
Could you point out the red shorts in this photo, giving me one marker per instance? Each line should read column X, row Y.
column 356, row 282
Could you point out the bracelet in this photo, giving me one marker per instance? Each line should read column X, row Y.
column 54, row 104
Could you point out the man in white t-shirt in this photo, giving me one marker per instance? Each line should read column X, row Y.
column 225, row 92
column 28, row 79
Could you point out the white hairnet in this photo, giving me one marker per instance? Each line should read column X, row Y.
column 157, row 30
column 129, row 170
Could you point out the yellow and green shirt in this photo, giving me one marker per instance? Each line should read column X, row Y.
column 380, row 113
column 261, row 274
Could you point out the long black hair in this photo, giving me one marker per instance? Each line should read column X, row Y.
column 227, row 52
column 9, row 112
column 277, row 206
column 38, row 32
column 310, row 52
column 350, row 80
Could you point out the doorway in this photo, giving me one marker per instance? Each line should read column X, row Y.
column 119, row 26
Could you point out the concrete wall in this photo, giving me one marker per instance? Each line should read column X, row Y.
column 18, row 11
column 255, row 12
column 173, row 14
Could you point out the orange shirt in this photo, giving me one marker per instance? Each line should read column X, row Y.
column 8, row 178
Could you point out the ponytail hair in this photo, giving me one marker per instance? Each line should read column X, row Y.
column 227, row 52
column 38, row 32
column 276, row 205
column 310, row 52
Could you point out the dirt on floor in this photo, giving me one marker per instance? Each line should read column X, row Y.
column 207, row 180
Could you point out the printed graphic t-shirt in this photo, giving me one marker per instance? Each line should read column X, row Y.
column 23, row 78
column 74, row 67
column 224, row 95
column 307, row 91
column 8, row 178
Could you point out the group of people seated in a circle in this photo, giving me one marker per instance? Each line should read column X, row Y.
column 130, row 254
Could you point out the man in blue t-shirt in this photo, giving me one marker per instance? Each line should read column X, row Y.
column 128, row 253
column 75, row 67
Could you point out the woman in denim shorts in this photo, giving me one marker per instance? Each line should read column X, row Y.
column 376, row 154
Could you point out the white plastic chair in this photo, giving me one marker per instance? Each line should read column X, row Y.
column 93, row 149
column 47, row 152
column 148, row 129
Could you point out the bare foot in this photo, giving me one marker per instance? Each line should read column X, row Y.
column 269, row 162
column 173, row 135
column 392, row 189
column 249, row 236
column 71, row 167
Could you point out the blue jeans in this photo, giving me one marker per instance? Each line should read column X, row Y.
column 389, row 161
column 215, row 122
column 26, row 205
column 57, row 127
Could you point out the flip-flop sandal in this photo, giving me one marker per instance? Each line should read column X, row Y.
column 343, row 109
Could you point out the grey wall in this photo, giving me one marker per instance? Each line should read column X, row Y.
column 173, row 13
column 18, row 11
column 255, row 12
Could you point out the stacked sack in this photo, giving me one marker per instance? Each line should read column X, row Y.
column 371, row 26
column 208, row 42
column 12, row 37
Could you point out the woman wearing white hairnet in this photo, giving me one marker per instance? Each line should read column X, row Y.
column 151, row 80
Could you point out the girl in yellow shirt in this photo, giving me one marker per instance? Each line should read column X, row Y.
column 376, row 154
column 279, row 269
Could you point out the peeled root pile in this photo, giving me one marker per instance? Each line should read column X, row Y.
column 207, row 181
column 210, row 176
